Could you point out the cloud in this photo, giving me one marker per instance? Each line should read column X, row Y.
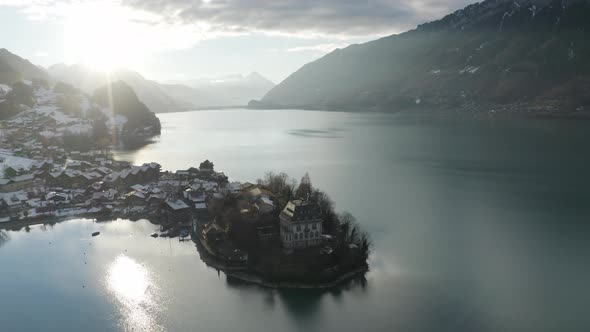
column 204, row 19
column 300, row 17
column 320, row 48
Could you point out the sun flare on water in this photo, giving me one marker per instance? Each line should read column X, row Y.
column 132, row 287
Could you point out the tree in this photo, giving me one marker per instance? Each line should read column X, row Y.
column 10, row 172
column 8, row 109
column 121, row 98
column 351, row 233
column 206, row 165
column 65, row 88
column 40, row 83
column 281, row 185
column 70, row 104
column 365, row 245
column 326, row 205
column 21, row 94
column 100, row 130
column 305, row 188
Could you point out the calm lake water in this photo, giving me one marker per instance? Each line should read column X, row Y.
column 478, row 226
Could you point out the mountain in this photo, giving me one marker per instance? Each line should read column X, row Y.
column 149, row 92
column 175, row 96
column 532, row 53
column 14, row 68
column 7, row 74
column 192, row 96
column 232, row 90
column 123, row 101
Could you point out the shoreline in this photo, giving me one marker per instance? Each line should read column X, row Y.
column 254, row 279
column 245, row 274
column 241, row 273
column 476, row 111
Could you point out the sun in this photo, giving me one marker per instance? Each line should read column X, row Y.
column 100, row 36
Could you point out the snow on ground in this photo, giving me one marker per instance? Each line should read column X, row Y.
column 48, row 134
column 117, row 122
column 79, row 129
column 45, row 96
column 8, row 160
column 4, row 90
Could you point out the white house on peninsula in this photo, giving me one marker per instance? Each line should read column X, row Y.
column 301, row 225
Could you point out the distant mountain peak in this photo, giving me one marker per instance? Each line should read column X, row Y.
column 258, row 77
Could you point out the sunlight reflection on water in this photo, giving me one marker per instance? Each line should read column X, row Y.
column 133, row 287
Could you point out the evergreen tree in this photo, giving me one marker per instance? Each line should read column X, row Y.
column 305, row 188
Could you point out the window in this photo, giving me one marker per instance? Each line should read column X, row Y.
column 298, row 228
column 314, row 226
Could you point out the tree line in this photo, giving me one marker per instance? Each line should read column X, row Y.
column 343, row 226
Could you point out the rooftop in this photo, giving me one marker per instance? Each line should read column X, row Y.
column 299, row 211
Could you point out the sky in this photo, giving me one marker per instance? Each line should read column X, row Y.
column 183, row 39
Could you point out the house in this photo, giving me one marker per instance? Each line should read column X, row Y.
column 177, row 205
column 234, row 187
column 300, row 225
column 201, row 211
column 134, row 198
column 262, row 199
column 16, row 183
column 193, row 196
column 57, row 197
column 205, row 172
column 177, row 210
column 155, row 199
column 105, row 196
column 12, row 202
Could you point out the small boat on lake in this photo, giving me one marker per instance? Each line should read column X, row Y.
column 95, row 233
column 154, row 235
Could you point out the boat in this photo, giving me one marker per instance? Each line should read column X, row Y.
column 154, row 234
column 95, row 233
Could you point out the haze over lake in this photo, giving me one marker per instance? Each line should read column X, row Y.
column 478, row 226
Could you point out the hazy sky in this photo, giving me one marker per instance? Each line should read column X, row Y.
column 182, row 39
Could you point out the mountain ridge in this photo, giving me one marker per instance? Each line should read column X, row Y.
column 162, row 97
column 14, row 68
column 495, row 52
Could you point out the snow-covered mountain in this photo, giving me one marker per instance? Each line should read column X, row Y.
column 235, row 90
column 149, row 92
column 66, row 114
column 231, row 90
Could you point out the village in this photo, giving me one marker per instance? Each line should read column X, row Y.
column 269, row 232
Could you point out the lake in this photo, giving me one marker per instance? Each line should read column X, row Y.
column 479, row 225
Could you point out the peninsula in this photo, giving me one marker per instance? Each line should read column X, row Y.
column 55, row 164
